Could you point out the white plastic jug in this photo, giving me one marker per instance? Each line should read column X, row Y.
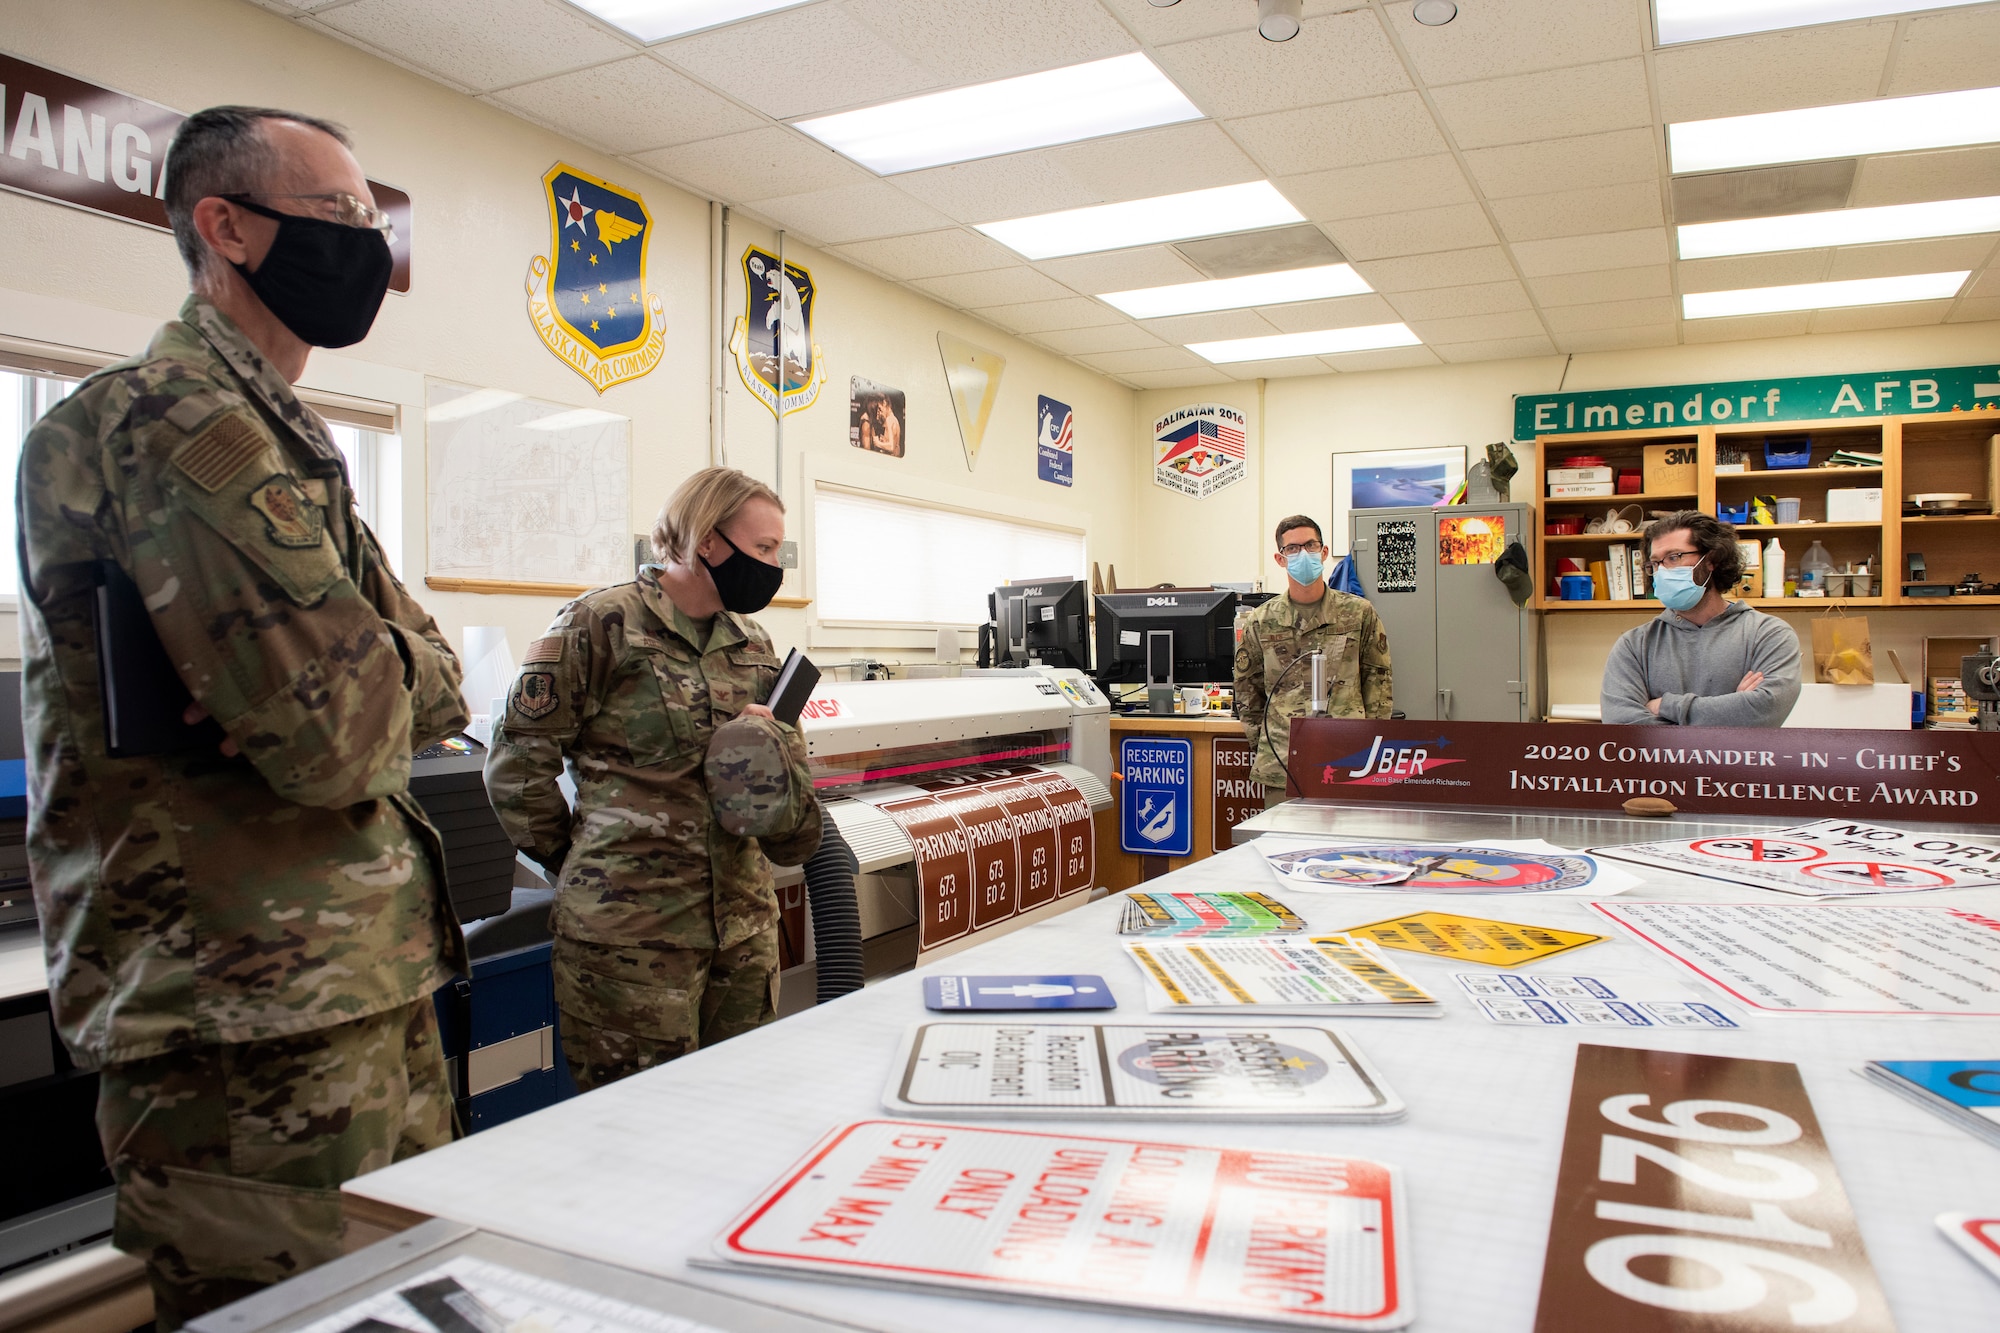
column 1814, row 566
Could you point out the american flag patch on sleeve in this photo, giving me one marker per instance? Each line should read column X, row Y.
column 220, row 452
column 548, row 648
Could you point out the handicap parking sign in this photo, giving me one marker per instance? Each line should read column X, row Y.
column 1156, row 796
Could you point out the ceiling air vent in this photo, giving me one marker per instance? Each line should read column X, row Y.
column 1764, row 192
column 1270, row 251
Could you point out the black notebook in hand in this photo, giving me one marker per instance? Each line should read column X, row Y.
column 796, row 679
column 143, row 696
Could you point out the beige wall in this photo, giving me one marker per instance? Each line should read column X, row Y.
column 1305, row 421
column 475, row 174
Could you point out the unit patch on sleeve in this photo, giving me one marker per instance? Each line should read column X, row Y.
column 220, row 452
column 535, row 694
column 290, row 519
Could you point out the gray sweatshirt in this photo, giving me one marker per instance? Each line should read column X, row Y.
column 1693, row 671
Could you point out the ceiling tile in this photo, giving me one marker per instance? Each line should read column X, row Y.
column 1345, row 134
column 1498, row 349
column 1000, row 286
column 1742, row 328
column 1333, row 59
column 1184, row 22
column 1985, row 284
column 1919, row 178
column 628, row 105
column 1773, row 71
column 1484, row 298
column 1388, row 358
column 1487, row 40
column 850, row 213
column 1145, row 358
column 1169, row 160
column 764, row 163
column 1613, row 314
column 1379, row 187
column 1943, row 53
column 1904, row 315
column 1075, row 312
column 1291, row 367
column 1735, row 272
column 1448, row 269
column 1122, row 270
column 929, row 254
column 477, row 44
column 971, row 41
column 1942, row 255
column 1587, row 99
column 1975, row 310
column 1111, row 338
column 994, row 188
column 1537, row 217
column 1615, row 158
column 1619, row 340
column 1175, row 379
column 800, row 62
column 1479, row 328
column 1618, row 284
column 1587, row 254
column 1422, row 231
column 1347, row 312
column 1211, row 327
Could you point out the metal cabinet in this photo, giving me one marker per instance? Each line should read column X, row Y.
column 1462, row 650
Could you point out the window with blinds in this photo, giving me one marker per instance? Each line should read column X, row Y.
column 891, row 563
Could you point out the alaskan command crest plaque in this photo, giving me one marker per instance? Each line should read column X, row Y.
column 587, row 296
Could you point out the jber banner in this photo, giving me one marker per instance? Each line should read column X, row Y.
column 103, row 151
column 1754, row 402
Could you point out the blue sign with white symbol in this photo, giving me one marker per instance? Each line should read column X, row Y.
column 1156, row 796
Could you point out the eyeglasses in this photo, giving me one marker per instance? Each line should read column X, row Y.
column 1297, row 547
column 1673, row 560
column 338, row 206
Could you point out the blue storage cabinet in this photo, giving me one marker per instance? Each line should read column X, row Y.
column 502, row 1035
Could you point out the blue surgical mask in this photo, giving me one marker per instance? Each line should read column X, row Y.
column 1305, row 567
column 1677, row 589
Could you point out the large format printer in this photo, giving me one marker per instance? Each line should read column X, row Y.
column 870, row 742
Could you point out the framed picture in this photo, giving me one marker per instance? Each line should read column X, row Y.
column 1391, row 478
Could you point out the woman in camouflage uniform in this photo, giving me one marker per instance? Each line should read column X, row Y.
column 665, row 921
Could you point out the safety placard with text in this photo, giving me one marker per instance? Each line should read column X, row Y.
column 1200, row 1231
column 1471, row 939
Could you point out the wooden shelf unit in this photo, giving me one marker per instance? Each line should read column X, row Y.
column 1956, row 452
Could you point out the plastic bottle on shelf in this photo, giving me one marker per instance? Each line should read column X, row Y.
column 1774, row 568
column 1814, row 566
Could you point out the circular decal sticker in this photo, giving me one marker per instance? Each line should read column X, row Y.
column 1223, row 1058
column 1767, row 850
column 1433, row 869
column 1879, row 875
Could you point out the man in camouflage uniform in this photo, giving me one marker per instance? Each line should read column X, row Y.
column 242, row 935
column 1310, row 617
column 666, row 921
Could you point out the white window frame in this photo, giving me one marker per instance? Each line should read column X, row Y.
column 819, row 473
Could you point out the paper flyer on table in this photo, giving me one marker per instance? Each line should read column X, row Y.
column 1158, row 914
column 1118, row 1223
column 1832, row 858
column 1267, row 1071
column 1815, row 958
column 1276, row 975
column 1513, row 865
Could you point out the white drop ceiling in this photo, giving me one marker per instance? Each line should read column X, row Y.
column 1501, row 181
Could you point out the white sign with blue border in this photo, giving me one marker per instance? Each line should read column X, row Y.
column 1156, row 796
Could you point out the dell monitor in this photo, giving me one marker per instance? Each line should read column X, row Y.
column 1056, row 621
column 1165, row 638
column 1009, row 604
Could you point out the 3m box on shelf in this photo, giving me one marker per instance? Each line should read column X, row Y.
column 1670, row 467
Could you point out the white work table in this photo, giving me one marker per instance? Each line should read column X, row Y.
column 643, row 1174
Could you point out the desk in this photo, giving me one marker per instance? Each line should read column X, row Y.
column 644, row 1173
column 1214, row 812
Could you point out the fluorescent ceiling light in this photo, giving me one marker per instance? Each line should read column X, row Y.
column 1698, row 20
column 1823, row 295
column 1168, row 217
column 1190, row 298
column 1008, row 116
column 657, row 20
column 1840, row 226
column 1853, row 129
column 1324, row 342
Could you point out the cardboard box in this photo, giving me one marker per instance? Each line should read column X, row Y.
column 1670, row 469
column 1854, row 504
column 1560, row 475
column 1573, row 490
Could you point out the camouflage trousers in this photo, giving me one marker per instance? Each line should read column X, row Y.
column 628, row 1009
column 229, row 1159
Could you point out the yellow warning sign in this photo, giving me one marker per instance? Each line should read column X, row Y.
column 1471, row 939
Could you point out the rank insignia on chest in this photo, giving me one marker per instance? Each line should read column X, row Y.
column 290, row 519
column 535, row 694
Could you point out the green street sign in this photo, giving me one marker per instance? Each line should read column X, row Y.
column 1754, row 402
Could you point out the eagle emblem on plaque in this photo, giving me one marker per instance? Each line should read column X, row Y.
column 587, row 296
column 777, row 327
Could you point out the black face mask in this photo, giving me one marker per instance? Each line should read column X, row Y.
column 745, row 583
column 323, row 281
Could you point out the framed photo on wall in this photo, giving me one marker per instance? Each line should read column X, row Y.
column 1391, row 478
